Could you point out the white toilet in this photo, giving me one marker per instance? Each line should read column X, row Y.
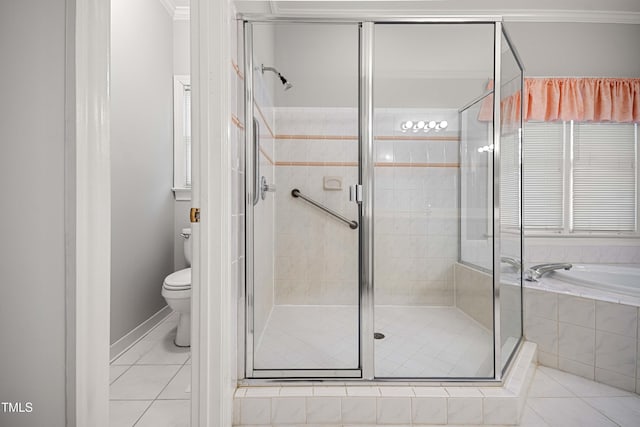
column 176, row 289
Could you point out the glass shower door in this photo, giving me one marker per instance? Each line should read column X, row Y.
column 511, row 89
column 433, row 315
column 303, row 283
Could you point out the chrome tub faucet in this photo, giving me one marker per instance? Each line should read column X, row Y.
column 534, row 273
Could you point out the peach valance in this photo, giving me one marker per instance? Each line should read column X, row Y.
column 582, row 99
column 579, row 99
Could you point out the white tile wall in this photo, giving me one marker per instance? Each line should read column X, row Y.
column 358, row 410
column 288, row 410
column 255, row 411
column 548, row 249
column 429, row 410
column 324, row 410
column 576, row 343
column 617, row 318
column 390, row 404
column 264, row 211
column 594, row 339
column 393, row 410
column 416, row 211
column 474, row 294
column 577, row 311
column 237, row 192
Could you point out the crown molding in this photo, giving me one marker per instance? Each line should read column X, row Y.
column 182, row 13
column 177, row 13
column 509, row 15
column 568, row 16
column 169, row 6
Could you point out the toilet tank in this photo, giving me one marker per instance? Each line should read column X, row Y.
column 186, row 234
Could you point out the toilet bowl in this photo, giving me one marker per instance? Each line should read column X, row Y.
column 176, row 290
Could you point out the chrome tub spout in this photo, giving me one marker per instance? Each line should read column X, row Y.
column 537, row 271
column 512, row 261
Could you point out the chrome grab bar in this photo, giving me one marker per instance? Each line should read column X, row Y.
column 256, row 161
column 352, row 224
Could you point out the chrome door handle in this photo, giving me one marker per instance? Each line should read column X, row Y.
column 355, row 193
column 256, row 161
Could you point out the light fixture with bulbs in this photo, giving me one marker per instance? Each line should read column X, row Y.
column 423, row 125
column 486, row 149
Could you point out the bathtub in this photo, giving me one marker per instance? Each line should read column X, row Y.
column 585, row 321
column 605, row 282
column 613, row 278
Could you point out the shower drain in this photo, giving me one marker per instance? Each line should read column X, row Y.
column 378, row 335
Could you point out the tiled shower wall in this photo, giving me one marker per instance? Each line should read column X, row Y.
column 264, row 210
column 236, row 139
column 317, row 255
column 416, row 198
column 415, row 207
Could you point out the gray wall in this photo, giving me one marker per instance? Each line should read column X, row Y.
column 581, row 50
column 181, row 48
column 181, row 220
column 32, row 224
column 181, row 66
column 444, row 63
column 142, row 241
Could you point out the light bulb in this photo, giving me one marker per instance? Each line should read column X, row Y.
column 443, row 124
column 432, row 124
column 420, row 124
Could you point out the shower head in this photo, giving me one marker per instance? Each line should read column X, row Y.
column 284, row 81
column 287, row 85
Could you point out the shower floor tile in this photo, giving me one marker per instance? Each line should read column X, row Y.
column 431, row 342
column 420, row 341
column 309, row 337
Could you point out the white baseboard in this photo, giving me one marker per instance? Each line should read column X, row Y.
column 123, row 344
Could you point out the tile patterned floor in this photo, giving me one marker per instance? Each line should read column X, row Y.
column 430, row 342
column 151, row 381
column 150, row 387
column 419, row 341
column 559, row 399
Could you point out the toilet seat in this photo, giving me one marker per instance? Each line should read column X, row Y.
column 178, row 281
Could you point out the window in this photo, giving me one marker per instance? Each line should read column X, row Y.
column 543, row 175
column 181, row 135
column 581, row 177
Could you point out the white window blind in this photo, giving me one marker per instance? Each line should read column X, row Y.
column 604, row 177
column 181, row 136
column 510, row 180
column 187, row 134
column 543, row 149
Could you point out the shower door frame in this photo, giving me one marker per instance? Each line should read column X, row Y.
column 246, row 368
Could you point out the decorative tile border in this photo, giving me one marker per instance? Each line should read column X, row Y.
column 377, row 164
column 376, row 138
column 237, row 122
column 375, row 403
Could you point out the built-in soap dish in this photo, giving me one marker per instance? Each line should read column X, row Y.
column 332, row 183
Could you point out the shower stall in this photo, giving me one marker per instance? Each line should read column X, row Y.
column 383, row 232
